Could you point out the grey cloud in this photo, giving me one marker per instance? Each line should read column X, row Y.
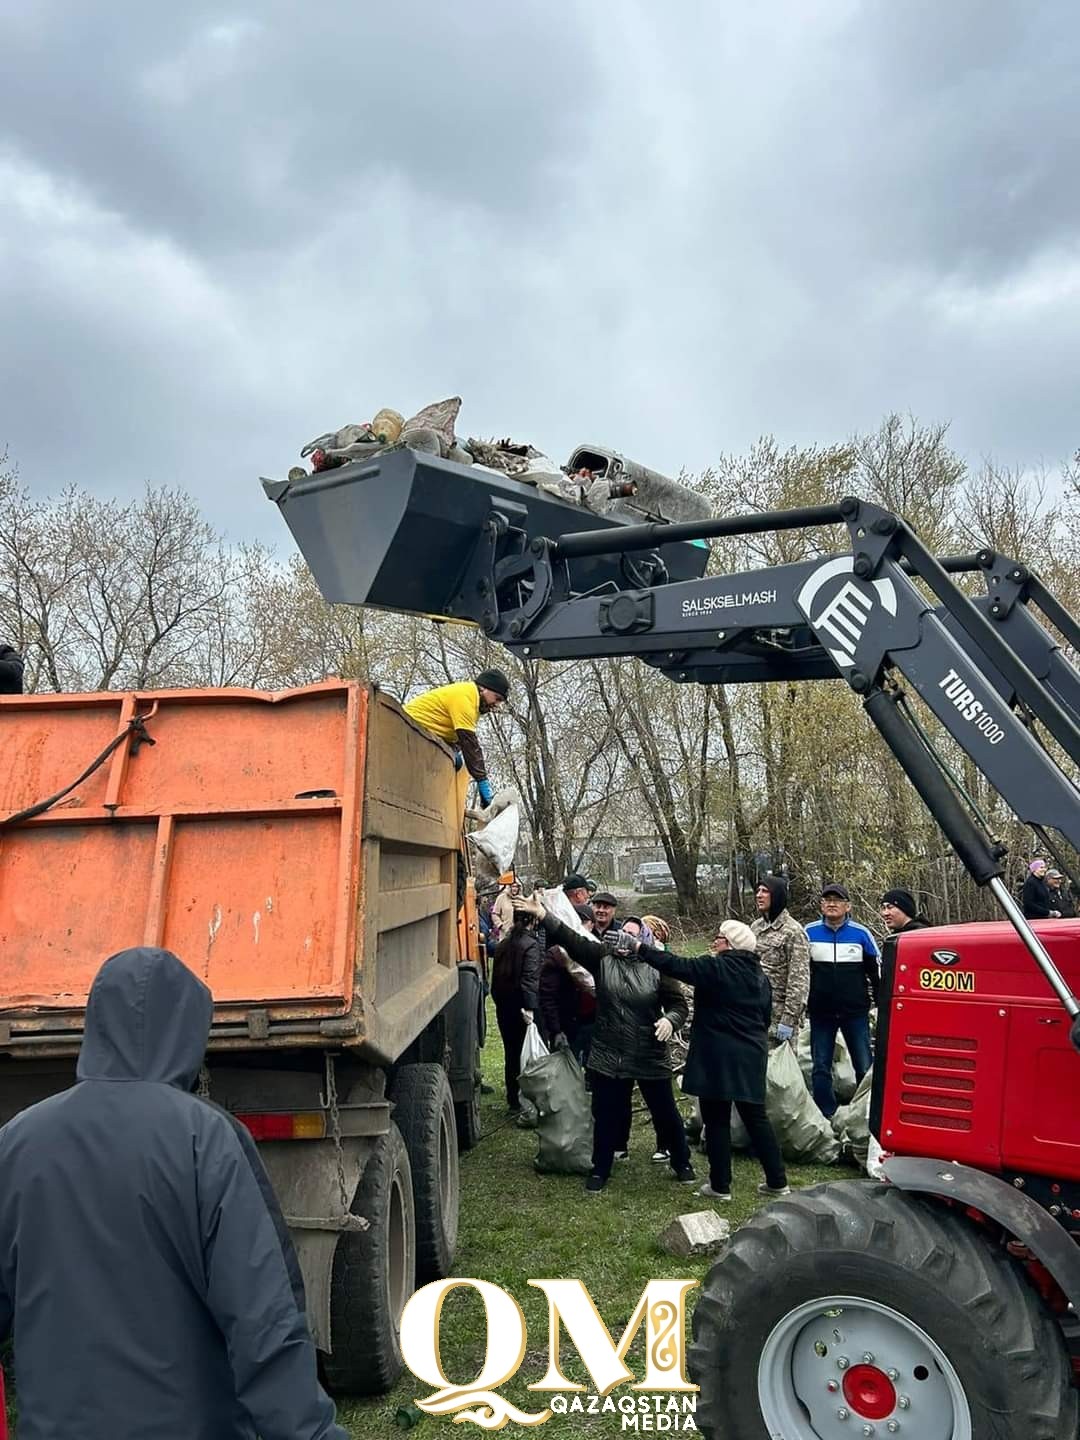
column 228, row 230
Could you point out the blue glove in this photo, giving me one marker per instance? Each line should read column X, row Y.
column 784, row 1032
column 484, row 786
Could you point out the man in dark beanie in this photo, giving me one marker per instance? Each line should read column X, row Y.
column 451, row 712
column 784, row 953
column 900, row 913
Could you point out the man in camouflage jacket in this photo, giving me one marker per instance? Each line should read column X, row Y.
column 784, row 953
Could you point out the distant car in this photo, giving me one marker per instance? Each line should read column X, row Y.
column 652, row 877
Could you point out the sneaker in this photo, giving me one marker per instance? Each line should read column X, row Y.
column 709, row 1193
column 661, row 1157
column 594, row 1184
column 686, row 1176
column 774, row 1191
column 622, row 1154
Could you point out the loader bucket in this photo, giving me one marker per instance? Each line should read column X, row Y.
column 398, row 531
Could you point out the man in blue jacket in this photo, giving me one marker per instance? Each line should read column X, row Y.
column 144, row 1264
column 844, row 975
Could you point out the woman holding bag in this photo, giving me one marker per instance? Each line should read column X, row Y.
column 637, row 1011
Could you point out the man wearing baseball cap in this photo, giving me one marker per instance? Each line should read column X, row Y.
column 451, row 712
column 576, row 889
column 844, row 974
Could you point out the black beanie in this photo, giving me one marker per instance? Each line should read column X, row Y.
column 494, row 680
column 777, row 888
column 903, row 900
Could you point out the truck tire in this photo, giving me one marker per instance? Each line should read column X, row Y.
column 424, row 1113
column 373, row 1276
column 467, row 1115
column 852, row 1297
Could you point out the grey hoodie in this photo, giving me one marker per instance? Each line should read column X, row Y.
column 144, row 1264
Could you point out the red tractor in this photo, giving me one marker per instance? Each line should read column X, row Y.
column 943, row 1303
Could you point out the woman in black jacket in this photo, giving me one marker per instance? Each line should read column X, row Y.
column 1035, row 901
column 637, row 1012
column 515, row 977
column 729, row 1048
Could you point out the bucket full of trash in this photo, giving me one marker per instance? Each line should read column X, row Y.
column 392, row 514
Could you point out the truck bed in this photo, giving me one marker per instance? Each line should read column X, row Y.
column 296, row 849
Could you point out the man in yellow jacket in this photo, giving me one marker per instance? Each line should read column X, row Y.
column 452, row 712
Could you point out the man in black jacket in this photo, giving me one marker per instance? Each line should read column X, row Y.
column 144, row 1263
column 11, row 671
column 1060, row 895
column 901, row 914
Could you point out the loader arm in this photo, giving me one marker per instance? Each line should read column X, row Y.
column 987, row 669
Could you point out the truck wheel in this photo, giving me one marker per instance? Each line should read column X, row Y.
column 424, row 1113
column 373, row 1276
column 853, row 1302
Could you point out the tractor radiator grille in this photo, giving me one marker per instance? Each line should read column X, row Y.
column 938, row 1081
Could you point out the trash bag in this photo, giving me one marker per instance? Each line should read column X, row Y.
column 556, row 903
column 805, row 1136
column 555, row 1086
column 843, row 1072
column 497, row 841
column 875, row 1159
column 740, row 1137
column 533, row 1051
column 851, row 1123
column 434, row 421
column 843, row 1067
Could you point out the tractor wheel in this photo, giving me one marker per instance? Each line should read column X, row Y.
column 855, row 1309
column 424, row 1113
column 373, row 1276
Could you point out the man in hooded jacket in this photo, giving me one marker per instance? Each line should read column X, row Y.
column 784, row 953
column 11, row 671
column 144, row 1263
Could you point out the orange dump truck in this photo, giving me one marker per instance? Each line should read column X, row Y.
column 300, row 852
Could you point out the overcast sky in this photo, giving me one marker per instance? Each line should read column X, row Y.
column 665, row 227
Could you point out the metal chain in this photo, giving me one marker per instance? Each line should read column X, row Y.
column 335, row 1132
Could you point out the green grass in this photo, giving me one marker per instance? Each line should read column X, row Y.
column 517, row 1225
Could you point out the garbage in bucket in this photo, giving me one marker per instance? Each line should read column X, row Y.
column 399, row 531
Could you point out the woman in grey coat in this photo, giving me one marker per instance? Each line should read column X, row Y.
column 637, row 1012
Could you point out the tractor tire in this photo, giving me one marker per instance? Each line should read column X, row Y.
column 424, row 1113
column 853, row 1302
column 373, row 1276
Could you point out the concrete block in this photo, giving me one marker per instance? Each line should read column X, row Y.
column 701, row 1233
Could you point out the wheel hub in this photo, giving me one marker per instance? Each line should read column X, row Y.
column 869, row 1392
column 839, row 1367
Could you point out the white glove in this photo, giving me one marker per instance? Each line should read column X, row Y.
column 527, row 1016
column 664, row 1028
